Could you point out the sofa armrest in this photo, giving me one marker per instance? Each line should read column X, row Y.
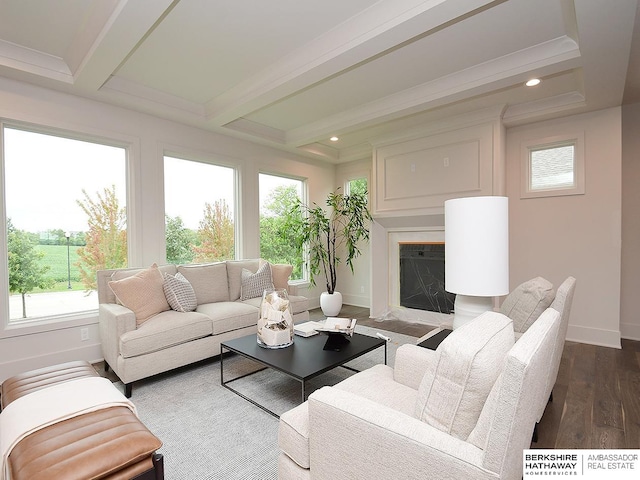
column 292, row 289
column 114, row 321
column 411, row 364
column 354, row 437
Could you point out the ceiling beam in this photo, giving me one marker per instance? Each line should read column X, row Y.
column 128, row 25
column 378, row 29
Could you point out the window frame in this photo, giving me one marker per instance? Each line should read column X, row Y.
column 578, row 188
column 206, row 159
column 304, row 198
column 131, row 147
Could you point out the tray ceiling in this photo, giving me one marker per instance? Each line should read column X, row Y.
column 291, row 74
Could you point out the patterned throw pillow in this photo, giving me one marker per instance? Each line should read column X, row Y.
column 254, row 284
column 179, row 293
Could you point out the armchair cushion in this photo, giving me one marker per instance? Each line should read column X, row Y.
column 527, row 302
column 468, row 362
column 142, row 293
column 375, row 384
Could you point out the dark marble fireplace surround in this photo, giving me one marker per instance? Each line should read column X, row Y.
column 422, row 277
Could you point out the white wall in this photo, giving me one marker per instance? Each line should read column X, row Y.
column 577, row 235
column 150, row 137
column 629, row 317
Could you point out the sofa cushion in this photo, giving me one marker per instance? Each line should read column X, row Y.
column 527, row 302
column 208, row 281
column 142, row 293
column 234, row 275
column 468, row 362
column 254, row 284
column 228, row 316
column 165, row 330
column 179, row 293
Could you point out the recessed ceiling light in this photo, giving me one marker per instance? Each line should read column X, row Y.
column 533, row 82
column 334, row 139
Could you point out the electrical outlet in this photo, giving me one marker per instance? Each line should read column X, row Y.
column 361, row 289
column 446, row 161
column 84, row 334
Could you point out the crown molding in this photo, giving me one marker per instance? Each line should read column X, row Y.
column 34, row 62
column 526, row 112
column 549, row 57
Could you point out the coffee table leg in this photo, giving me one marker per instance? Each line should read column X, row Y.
column 385, row 352
column 221, row 366
column 302, row 391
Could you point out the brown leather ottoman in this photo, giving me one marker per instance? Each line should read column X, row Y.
column 28, row 382
column 110, row 443
column 107, row 444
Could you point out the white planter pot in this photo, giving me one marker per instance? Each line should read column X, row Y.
column 331, row 303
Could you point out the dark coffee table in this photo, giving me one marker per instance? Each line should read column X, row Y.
column 303, row 360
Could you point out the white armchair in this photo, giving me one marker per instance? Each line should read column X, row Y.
column 419, row 419
column 561, row 303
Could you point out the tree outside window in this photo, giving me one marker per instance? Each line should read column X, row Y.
column 277, row 195
column 56, row 186
column 199, row 211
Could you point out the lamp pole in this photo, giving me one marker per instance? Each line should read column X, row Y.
column 68, row 234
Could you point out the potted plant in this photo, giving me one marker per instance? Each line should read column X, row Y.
column 327, row 235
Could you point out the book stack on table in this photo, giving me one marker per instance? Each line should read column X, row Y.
column 330, row 325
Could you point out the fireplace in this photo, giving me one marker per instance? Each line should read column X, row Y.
column 386, row 302
column 422, row 277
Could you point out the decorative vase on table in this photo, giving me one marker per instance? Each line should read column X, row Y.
column 275, row 325
column 330, row 303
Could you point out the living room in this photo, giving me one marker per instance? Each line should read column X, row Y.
column 589, row 87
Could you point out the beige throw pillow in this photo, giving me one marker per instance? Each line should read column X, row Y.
column 280, row 273
column 469, row 360
column 527, row 302
column 142, row 293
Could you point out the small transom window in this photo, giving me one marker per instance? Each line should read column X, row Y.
column 553, row 168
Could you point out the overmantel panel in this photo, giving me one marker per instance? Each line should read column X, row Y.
column 417, row 176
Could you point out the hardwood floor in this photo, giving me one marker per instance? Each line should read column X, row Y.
column 596, row 399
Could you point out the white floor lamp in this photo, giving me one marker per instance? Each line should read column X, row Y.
column 476, row 246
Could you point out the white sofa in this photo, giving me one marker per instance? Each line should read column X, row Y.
column 137, row 346
column 431, row 416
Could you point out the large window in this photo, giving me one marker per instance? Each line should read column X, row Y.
column 66, row 218
column 199, row 211
column 277, row 194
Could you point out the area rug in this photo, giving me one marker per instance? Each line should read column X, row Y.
column 208, row 432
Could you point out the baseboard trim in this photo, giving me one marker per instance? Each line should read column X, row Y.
column 355, row 300
column 594, row 336
column 630, row 331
